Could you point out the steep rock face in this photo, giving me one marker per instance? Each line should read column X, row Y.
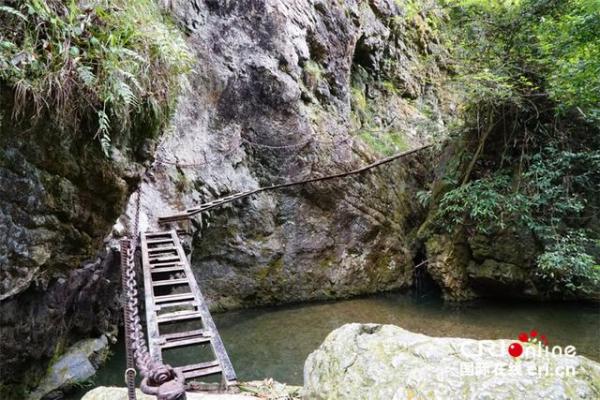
column 59, row 197
column 369, row 361
column 284, row 91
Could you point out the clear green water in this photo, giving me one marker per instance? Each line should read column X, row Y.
column 274, row 342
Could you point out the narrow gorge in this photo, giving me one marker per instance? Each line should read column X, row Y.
column 236, row 95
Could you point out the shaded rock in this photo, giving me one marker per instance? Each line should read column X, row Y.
column 369, row 361
column 499, row 278
column 448, row 262
column 77, row 365
column 517, row 248
column 38, row 324
column 59, row 196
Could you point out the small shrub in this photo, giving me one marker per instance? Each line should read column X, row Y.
column 114, row 60
column 567, row 265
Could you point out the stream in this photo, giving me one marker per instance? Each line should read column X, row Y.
column 275, row 341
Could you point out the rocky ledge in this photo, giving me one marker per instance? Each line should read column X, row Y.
column 370, row 361
column 267, row 389
column 118, row 393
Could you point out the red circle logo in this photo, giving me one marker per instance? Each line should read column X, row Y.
column 523, row 337
column 515, row 349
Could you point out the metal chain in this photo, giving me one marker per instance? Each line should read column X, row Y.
column 130, row 372
column 162, row 381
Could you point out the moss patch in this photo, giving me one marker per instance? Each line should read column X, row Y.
column 271, row 270
column 386, row 143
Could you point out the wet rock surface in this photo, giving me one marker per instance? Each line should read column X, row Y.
column 369, row 361
column 74, row 367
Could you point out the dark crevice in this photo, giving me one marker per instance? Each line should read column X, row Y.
column 424, row 286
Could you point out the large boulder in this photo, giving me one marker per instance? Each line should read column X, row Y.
column 74, row 367
column 370, row 361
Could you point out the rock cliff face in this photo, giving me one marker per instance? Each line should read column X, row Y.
column 282, row 90
column 369, row 361
column 58, row 200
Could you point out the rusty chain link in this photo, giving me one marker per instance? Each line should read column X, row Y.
column 162, row 381
column 130, row 372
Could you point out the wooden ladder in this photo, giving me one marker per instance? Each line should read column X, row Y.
column 172, row 295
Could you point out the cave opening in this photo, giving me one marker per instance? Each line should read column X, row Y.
column 424, row 287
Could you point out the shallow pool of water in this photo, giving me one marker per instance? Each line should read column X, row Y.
column 275, row 341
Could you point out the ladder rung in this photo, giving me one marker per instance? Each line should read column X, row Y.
column 173, row 297
column 155, row 249
column 165, row 264
column 167, row 269
column 159, row 241
column 191, row 302
column 151, row 242
column 153, row 261
column 185, row 342
column 171, row 282
column 178, row 335
column 201, row 369
column 178, row 316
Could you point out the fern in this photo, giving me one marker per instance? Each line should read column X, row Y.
column 124, row 92
column 104, row 132
column 133, row 80
column 105, row 144
column 134, row 55
column 86, row 75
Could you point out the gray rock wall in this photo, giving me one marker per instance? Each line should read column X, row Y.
column 288, row 90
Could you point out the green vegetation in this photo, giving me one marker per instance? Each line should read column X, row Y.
column 530, row 144
column 382, row 140
column 314, row 69
column 568, row 263
column 99, row 66
column 385, row 143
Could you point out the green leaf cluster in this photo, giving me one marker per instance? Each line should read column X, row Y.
column 567, row 264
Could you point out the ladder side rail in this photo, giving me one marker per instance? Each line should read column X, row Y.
column 151, row 314
column 216, row 342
